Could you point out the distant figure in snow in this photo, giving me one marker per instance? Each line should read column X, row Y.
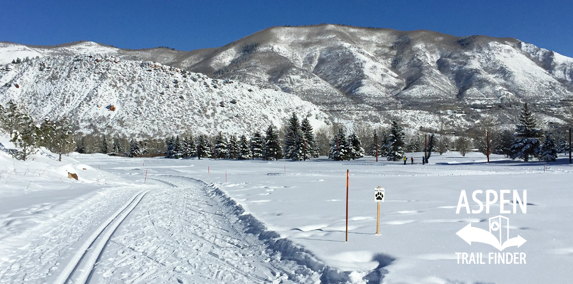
column 412, row 160
column 423, row 160
column 405, row 160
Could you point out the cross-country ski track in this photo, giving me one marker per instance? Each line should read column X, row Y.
column 86, row 257
column 173, row 229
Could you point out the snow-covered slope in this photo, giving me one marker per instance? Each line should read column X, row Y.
column 149, row 98
column 351, row 74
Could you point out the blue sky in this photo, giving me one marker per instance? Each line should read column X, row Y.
column 188, row 25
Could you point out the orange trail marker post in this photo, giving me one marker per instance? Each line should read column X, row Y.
column 208, row 170
column 378, row 219
column 379, row 195
column 145, row 180
column 347, row 176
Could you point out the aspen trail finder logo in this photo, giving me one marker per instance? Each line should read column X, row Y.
column 498, row 235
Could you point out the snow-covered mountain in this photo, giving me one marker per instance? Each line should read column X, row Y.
column 147, row 98
column 331, row 73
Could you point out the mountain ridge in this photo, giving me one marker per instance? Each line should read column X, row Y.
column 372, row 75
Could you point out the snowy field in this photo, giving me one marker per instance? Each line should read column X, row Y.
column 217, row 221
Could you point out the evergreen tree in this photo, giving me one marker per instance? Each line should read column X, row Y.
column 310, row 148
column 232, row 148
column 190, row 150
column 177, row 148
column 63, row 138
column 294, row 140
column 244, row 153
column 375, row 144
column 548, row 150
column 170, row 143
column 395, row 142
column 526, row 137
column 134, row 149
column 25, row 136
column 272, row 149
column 503, row 143
column 356, row 150
column 339, row 147
column 220, row 147
column 203, row 147
column 257, row 146
column 46, row 134
column 10, row 118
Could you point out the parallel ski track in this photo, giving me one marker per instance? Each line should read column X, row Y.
column 82, row 263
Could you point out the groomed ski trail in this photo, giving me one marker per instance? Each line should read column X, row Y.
column 183, row 232
column 86, row 256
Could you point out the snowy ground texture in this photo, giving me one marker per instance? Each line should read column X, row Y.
column 215, row 221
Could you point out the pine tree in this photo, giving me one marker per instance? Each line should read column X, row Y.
column 170, row 143
column 272, row 149
column 203, row 147
column 63, row 138
column 232, row 148
column 503, row 143
column 25, row 136
column 310, row 148
column 339, row 147
column 220, row 148
column 294, row 141
column 257, row 146
column 526, row 136
column 10, row 117
column 395, row 143
column 134, row 149
column 548, row 150
column 244, row 151
column 190, row 150
column 356, row 150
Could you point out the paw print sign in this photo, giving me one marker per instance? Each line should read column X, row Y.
column 379, row 194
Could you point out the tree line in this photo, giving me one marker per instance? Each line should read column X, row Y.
column 296, row 140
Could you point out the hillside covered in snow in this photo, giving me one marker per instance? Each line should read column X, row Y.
column 329, row 73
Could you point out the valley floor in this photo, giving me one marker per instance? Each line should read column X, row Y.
column 214, row 221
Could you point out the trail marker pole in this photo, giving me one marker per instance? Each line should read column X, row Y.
column 569, row 145
column 379, row 195
column 285, row 168
column 208, row 170
column 376, row 148
column 347, row 177
column 145, row 180
column 487, row 138
column 378, row 219
column 225, row 176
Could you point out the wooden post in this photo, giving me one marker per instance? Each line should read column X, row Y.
column 425, row 147
column 487, row 151
column 376, row 148
column 569, row 145
column 378, row 219
column 347, row 177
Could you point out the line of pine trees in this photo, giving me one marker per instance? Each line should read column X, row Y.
column 299, row 141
